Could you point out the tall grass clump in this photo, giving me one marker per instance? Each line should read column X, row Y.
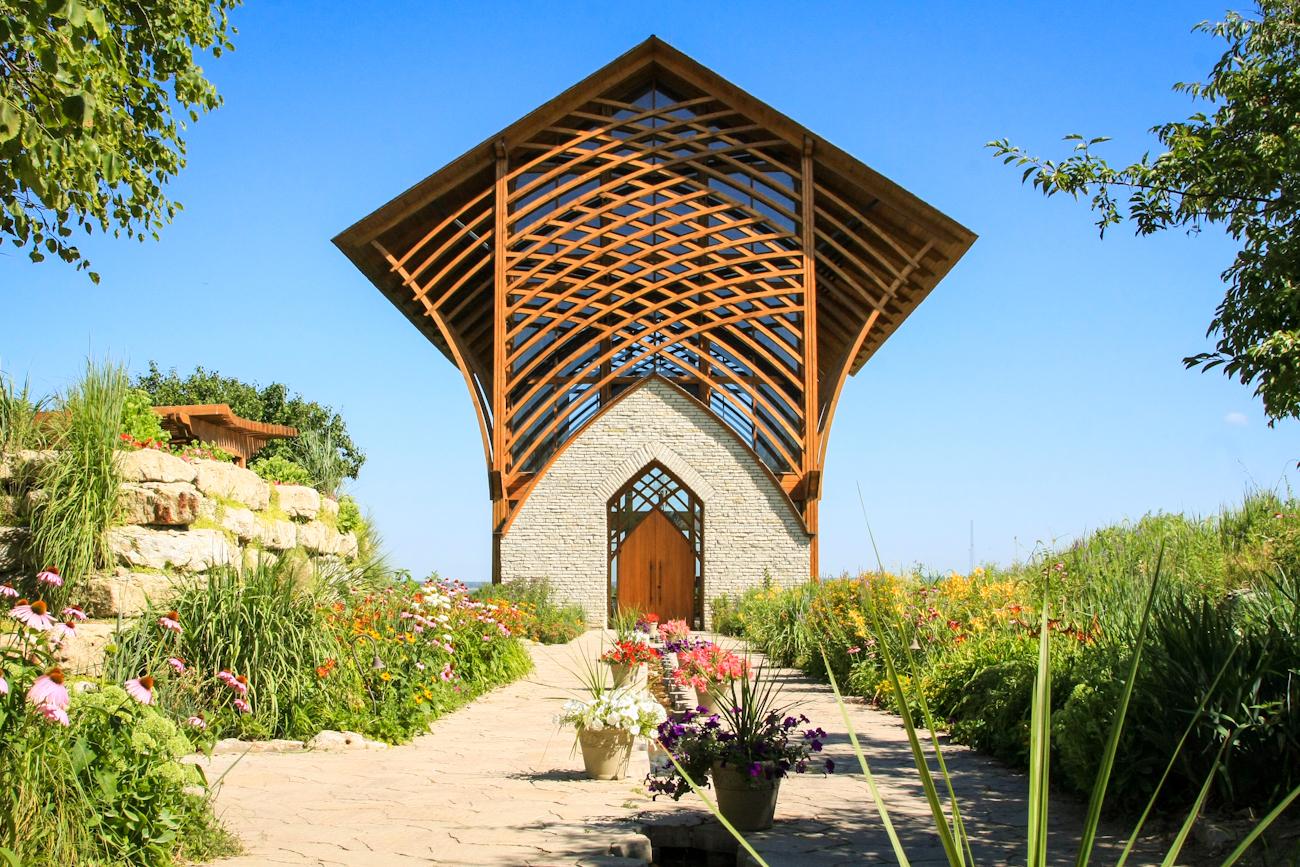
column 265, row 622
column 19, row 427
column 78, row 502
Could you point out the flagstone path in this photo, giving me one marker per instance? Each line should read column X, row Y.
column 496, row 783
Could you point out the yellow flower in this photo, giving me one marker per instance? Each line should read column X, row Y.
column 385, row 676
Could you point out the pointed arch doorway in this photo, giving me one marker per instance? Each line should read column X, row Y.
column 656, row 547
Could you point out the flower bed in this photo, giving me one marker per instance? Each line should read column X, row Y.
column 1229, row 601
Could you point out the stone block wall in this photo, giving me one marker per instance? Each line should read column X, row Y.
column 751, row 530
column 181, row 518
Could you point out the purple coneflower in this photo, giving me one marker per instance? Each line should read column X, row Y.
column 72, row 612
column 140, row 689
column 171, row 621
column 226, row 677
column 4, row 684
column 446, row 674
column 240, row 685
column 48, row 689
column 53, row 714
column 243, row 706
column 32, row 614
column 65, row 631
column 7, row 592
column 177, row 664
column 49, row 575
column 197, row 722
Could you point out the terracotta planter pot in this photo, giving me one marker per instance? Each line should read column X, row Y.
column 748, row 803
column 606, row 753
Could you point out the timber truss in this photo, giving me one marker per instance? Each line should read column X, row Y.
column 655, row 220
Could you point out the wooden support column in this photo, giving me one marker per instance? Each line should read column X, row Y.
column 811, row 448
column 500, row 501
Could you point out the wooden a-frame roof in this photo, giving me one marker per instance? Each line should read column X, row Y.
column 949, row 239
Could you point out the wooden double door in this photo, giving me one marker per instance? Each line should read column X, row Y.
column 656, row 569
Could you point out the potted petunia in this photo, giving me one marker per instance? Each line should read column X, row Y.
column 607, row 723
column 625, row 660
column 711, row 671
column 744, row 751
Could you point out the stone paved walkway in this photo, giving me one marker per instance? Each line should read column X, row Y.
column 497, row 783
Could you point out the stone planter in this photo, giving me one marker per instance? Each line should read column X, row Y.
column 624, row 674
column 606, row 753
column 714, row 696
column 748, row 803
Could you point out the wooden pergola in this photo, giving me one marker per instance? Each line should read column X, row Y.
column 216, row 423
column 655, row 219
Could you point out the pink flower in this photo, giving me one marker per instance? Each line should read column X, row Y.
column 49, row 575
column 240, row 685
column 4, row 685
column 197, row 722
column 48, row 689
column 854, row 650
column 53, row 714
column 65, row 631
column 171, row 622
column 446, row 674
column 72, row 612
column 140, row 689
column 177, row 664
column 227, row 678
column 35, row 615
column 243, row 706
column 7, row 592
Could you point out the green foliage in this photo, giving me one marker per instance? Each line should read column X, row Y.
column 278, row 468
column 110, row 789
column 272, row 403
column 139, row 421
column 1235, row 167
column 321, row 459
column 265, row 623
column 19, row 428
column 79, row 487
column 93, row 98
column 1221, row 660
column 545, row 619
column 349, row 518
column 323, row 647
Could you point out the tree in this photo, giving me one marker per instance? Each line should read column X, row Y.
column 92, row 96
column 272, row 404
column 1238, row 167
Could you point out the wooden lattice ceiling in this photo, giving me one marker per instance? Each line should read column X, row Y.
column 655, row 220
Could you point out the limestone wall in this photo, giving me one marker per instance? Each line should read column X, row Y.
column 180, row 517
column 750, row 528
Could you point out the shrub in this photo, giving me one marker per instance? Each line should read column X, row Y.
column 545, row 619
column 349, row 518
column 281, row 470
column 139, row 421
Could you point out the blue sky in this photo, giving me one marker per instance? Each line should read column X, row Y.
column 1038, row 392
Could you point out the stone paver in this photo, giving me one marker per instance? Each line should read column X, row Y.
column 496, row 783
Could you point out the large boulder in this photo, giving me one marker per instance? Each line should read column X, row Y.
column 317, row 538
column 298, row 501
column 125, row 593
column 186, row 550
column 151, row 465
column 276, row 535
column 229, row 482
column 85, row 653
column 329, row 508
column 170, row 504
column 348, row 547
column 242, row 522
